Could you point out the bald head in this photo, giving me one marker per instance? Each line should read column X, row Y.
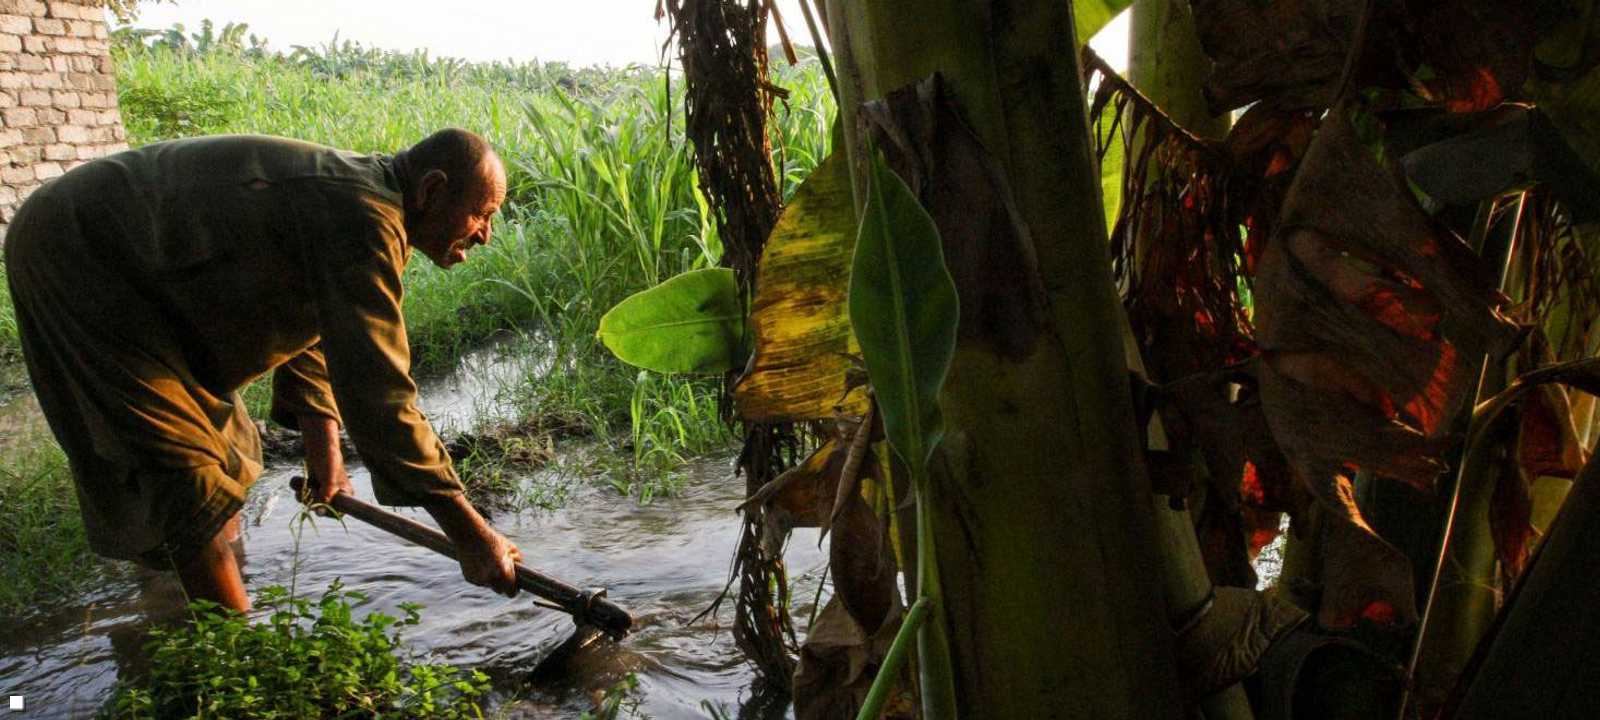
column 454, row 184
column 462, row 155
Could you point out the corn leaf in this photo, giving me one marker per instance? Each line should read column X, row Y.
column 904, row 310
column 692, row 323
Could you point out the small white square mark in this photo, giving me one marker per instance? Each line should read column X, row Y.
column 16, row 702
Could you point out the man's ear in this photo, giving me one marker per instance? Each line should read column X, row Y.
column 430, row 189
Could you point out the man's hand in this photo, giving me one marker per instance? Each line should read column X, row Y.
column 487, row 557
column 324, row 461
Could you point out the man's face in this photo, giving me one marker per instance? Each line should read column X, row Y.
column 451, row 224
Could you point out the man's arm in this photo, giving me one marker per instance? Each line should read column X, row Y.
column 355, row 279
column 324, row 460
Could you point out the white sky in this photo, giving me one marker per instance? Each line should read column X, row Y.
column 578, row 32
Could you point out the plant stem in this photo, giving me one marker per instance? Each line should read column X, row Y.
column 933, row 646
column 879, row 692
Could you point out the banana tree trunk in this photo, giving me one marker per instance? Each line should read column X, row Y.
column 1040, row 503
column 1539, row 662
column 1166, row 63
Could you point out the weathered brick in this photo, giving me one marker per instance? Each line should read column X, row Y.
column 49, row 26
column 20, row 117
column 100, row 32
column 8, row 62
column 83, row 117
column 35, row 44
column 51, row 116
column 26, row 155
column 17, row 175
column 14, row 80
column 61, row 63
column 80, row 28
column 98, row 100
column 60, row 151
column 74, row 134
column 16, row 25
column 47, row 170
column 65, row 99
column 81, row 81
column 8, row 195
column 71, row 45
column 8, row 99
column 70, row 165
column 105, row 66
column 35, row 97
column 10, row 138
column 119, row 132
column 111, row 117
column 116, row 147
column 67, row 11
column 104, row 134
column 38, row 135
column 30, row 8
column 33, row 63
column 11, row 43
column 83, row 63
column 48, row 80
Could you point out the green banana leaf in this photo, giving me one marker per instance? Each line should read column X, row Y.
column 904, row 309
column 691, row 323
column 1092, row 15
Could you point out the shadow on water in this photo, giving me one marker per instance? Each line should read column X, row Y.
column 665, row 562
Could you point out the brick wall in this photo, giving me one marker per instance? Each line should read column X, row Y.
column 58, row 94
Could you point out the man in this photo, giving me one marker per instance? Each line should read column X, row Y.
column 152, row 284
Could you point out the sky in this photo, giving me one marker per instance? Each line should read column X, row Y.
column 578, row 32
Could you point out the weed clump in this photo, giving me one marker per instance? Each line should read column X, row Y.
column 306, row 660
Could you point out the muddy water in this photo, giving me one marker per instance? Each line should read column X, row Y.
column 665, row 562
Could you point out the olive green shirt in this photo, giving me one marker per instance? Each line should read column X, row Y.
column 152, row 284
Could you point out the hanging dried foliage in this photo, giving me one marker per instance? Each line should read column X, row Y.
column 1188, row 229
column 722, row 44
column 1370, row 319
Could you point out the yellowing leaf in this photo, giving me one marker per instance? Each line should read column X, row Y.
column 803, row 342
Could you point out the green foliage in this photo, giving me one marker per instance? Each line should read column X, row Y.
column 306, row 660
column 904, row 310
column 1092, row 15
column 618, row 702
column 10, row 341
column 43, row 551
column 692, row 323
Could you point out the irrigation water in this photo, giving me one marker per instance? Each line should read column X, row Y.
column 665, row 562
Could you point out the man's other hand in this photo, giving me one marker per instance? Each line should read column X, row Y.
column 487, row 557
column 491, row 561
column 324, row 460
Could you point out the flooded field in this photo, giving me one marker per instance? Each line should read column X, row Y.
column 665, row 562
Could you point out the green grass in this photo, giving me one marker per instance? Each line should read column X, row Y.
column 602, row 203
column 43, row 550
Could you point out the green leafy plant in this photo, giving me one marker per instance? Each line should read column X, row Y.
column 619, row 701
column 305, row 660
column 904, row 308
column 692, row 323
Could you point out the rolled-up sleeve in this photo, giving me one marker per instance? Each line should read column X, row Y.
column 368, row 360
column 301, row 387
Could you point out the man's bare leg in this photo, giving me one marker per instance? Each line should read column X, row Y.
column 213, row 574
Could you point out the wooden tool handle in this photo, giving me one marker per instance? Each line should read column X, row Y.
column 586, row 606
